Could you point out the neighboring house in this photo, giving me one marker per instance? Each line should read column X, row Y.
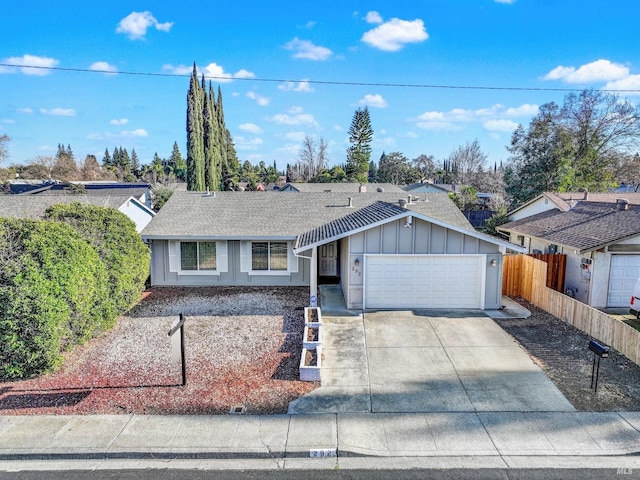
column 428, row 187
column 140, row 191
column 34, row 206
column 384, row 251
column 341, row 187
column 601, row 240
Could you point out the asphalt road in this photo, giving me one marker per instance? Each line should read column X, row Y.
column 446, row 474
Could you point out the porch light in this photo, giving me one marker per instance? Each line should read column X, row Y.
column 493, row 262
column 356, row 262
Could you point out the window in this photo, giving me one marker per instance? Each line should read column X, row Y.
column 269, row 256
column 198, row 255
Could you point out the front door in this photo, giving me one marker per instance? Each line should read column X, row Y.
column 328, row 260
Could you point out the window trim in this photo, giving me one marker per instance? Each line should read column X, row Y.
column 175, row 258
column 246, row 265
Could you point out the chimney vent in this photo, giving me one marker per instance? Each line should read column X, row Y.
column 363, row 188
column 350, row 202
column 402, row 202
column 622, row 204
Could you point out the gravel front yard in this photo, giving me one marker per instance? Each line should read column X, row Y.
column 561, row 351
column 242, row 349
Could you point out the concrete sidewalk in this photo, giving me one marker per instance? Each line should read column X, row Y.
column 500, row 440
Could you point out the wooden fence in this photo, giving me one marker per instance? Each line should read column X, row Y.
column 526, row 277
column 556, row 268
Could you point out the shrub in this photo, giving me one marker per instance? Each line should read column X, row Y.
column 52, row 295
column 120, row 247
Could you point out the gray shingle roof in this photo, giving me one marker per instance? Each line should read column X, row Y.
column 587, row 226
column 34, row 206
column 344, row 187
column 255, row 215
column 368, row 215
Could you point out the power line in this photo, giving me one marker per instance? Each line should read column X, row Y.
column 320, row 82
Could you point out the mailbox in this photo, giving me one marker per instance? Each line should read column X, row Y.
column 599, row 349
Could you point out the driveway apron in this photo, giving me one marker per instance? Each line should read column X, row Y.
column 436, row 361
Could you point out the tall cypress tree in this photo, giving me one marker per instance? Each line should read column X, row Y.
column 211, row 142
column 195, row 135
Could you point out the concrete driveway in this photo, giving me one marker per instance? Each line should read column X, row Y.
column 426, row 361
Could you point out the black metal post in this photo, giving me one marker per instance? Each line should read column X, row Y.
column 183, row 359
column 174, row 329
column 595, row 390
column 593, row 370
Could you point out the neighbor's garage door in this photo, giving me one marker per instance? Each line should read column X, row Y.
column 428, row 281
column 623, row 275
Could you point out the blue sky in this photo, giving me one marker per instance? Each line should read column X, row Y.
column 148, row 49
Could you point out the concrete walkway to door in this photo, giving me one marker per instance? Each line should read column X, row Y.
column 425, row 361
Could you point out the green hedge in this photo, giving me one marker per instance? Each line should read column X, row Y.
column 63, row 280
column 119, row 245
column 53, row 288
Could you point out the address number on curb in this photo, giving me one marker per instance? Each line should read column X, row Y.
column 323, row 452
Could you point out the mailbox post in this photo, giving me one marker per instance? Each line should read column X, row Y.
column 179, row 326
column 599, row 351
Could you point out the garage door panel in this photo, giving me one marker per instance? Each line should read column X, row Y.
column 436, row 281
column 623, row 275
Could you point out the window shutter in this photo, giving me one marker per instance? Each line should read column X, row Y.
column 292, row 260
column 245, row 256
column 174, row 256
column 223, row 258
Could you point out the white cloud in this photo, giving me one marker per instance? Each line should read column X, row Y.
column 598, row 71
column 411, row 134
column 525, row 110
column 59, row 112
column 242, row 143
column 373, row 17
column 506, row 2
column 306, row 49
column 632, row 82
column 178, row 70
column 373, row 101
column 293, row 119
column 119, row 121
column 394, row 34
column 250, row 128
column 295, row 110
column 136, row 24
column 496, row 118
column 103, row 67
column 500, row 125
column 296, row 136
column 216, row 72
column 21, row 64
column 260, row 100
column 302, row 86
column 138, row 132
column 26, row 110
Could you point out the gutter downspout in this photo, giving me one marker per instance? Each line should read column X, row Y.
column 313, row 276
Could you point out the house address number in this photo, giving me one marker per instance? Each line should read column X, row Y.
column 323, row 452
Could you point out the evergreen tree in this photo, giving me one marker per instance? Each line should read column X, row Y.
column 135, row 163
column 359, row 153
column 213, row 162
column 195, row 135
column 106, row 160
column 177, row 163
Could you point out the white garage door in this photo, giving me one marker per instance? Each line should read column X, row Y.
column 425, row 281
column 623, row 275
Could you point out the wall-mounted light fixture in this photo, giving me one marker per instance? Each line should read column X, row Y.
column 493, row 263
column 356, row 262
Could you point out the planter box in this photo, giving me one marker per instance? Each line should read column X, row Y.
column 312, row 315
column 312, row 336
column 310, row 364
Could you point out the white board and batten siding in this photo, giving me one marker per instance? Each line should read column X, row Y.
column 424, row 281
column 623, row 275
